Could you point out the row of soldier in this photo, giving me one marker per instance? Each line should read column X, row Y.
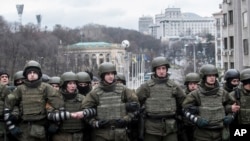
column 159, row 110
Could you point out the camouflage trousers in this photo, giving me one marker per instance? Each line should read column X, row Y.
column 207, row 134
column 169, row 137
column 62, row 136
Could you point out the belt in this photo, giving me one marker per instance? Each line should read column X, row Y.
column 156, row 117
column 39, row 122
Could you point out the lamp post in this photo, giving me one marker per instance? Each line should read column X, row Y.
column 194, row 56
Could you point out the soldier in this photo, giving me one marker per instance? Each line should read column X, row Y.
column 205, row 107
column 120, row 78
column 71, row 129
column 162, row 99
column 232, row 80
column 31, row 98
column 95, row 81
column 83, row 83
column 45, row 78
column 55, row 82
column 4, row 78
column 3, row 93
column 110, row 100
column 241, row 100
column 18, row 78
column 186, row 131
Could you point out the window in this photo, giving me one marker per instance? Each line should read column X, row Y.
column 224, row 19
column 225, row 43
column 245, row 46
column 231, row 65
column 230, row 17
column 231, row 40
column 244, row 15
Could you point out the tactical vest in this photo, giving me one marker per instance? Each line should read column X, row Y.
column 161, row 101
column 244, row 109
column 110, row 103
column 73, row 105
column 211, row 108
column 1, row 101
column 33, row 102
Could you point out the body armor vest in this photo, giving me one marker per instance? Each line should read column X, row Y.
column 212, row 109
column 111, row 106
column 1, row 101
column 73, row 105
column 161, row 101
column 33, row 102
column 244, row 109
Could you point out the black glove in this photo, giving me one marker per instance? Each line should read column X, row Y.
column 193, row 110
column 201, row 122
column 132, row 106
column 53, row 128
column 15, row 131
column 228, row 119
column 101, row 123
column 120, row 123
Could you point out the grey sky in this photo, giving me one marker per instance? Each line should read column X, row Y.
column 112, row 13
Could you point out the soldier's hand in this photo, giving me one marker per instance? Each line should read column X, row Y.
column 228, row 119
column 201, row 122
column 101, row 123
column 15, row 131
column 235, row 108
column 77, row 115
column 121, row 123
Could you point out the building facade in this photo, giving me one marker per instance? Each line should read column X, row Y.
column 144, row 23
column 173, row 23
column 236, row 23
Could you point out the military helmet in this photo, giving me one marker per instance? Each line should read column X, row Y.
column 32, row 64
column 120, row 76
column 45, row 78
column 18, row 75
column 106, row 67
column 245, row 74
column 54, row 80
column 231, row 74
column 208, row 69
column 159, row 61
column 83, row 77
column 192, row 77
column 67, row 76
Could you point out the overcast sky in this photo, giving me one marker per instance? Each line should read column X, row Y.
column 112, row 13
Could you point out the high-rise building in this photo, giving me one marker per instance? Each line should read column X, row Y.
column 236, row 34
column 144, row 23
column 173, row 23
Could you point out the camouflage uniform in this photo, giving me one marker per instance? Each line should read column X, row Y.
column 187, row 129
column 31, row 98
column 241, row 97
column 210, row 103
column 109, row 100
column 71, row 129
column 3, row 93
column 162, row 99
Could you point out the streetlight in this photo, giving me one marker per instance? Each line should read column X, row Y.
column 194, row 56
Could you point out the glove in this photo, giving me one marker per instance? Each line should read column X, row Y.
column 15, row 131
column 201, row 122
column 101, row 123
column 53, row 128
column 132, row 106
column 193, row 110
column 228, row 119
column 120, row 123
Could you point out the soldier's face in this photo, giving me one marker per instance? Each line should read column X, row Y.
column 109, row 77
column 71, row 86
column 235, row 82
column 4, row 79
column 32, row 75
column 211, row 79
column 55, row 86
column 161, row 71
column 192, row 86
